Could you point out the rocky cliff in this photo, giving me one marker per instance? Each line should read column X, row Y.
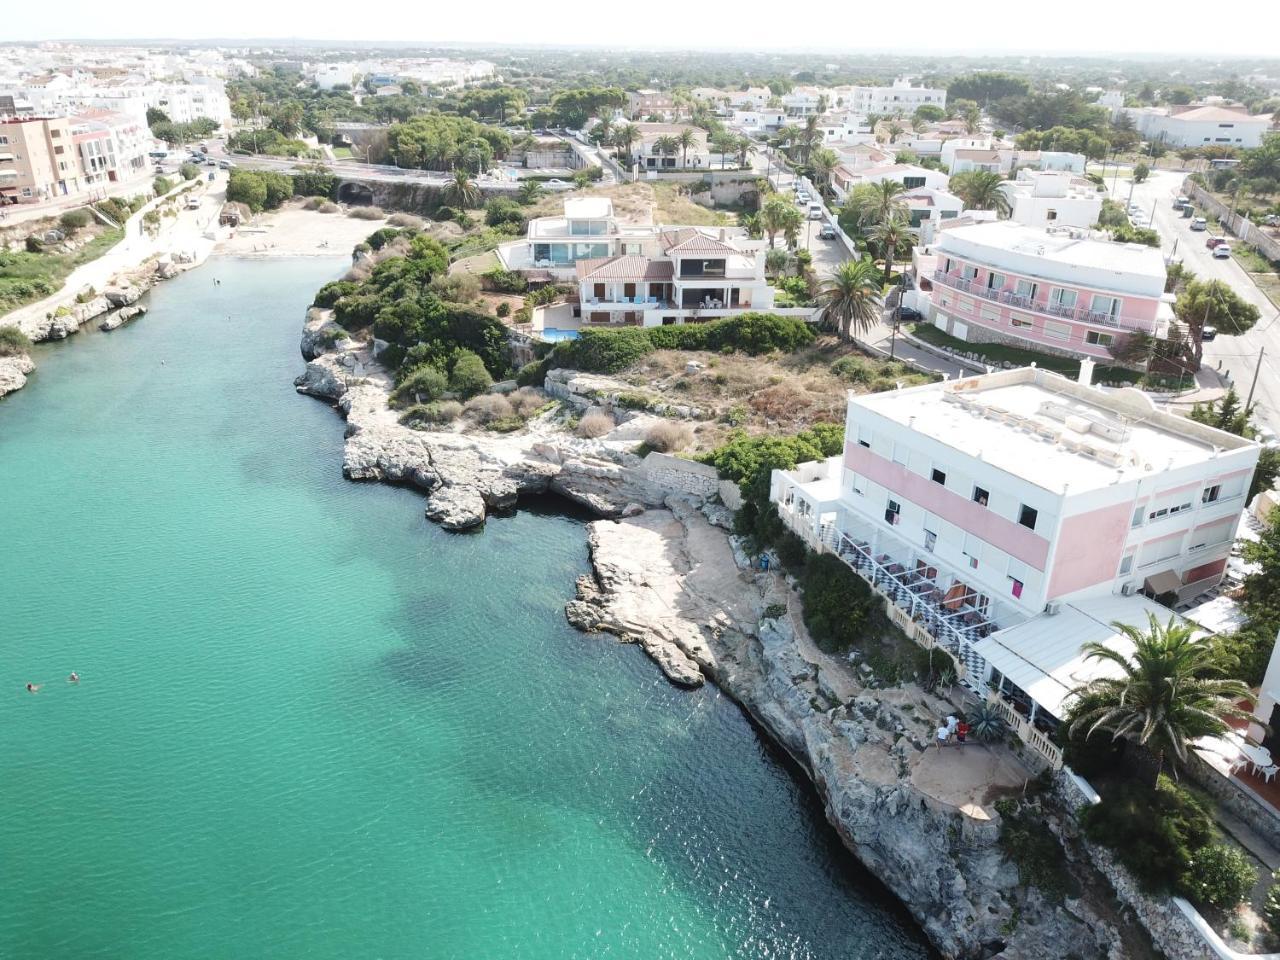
column 920, row 819
column 13, row 373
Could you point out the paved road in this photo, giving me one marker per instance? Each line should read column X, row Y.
column 1237, row 356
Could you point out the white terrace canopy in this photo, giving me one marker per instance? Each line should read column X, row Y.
column 1043, row 655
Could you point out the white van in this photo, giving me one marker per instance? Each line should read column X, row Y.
column 193, row 202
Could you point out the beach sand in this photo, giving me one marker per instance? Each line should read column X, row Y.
column 295, row 232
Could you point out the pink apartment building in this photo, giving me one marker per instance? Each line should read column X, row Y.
column 1055, row 290
column 1013, row 517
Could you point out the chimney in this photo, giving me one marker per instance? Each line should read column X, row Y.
column 1086, row 372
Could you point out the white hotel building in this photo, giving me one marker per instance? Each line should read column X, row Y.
column 1014, row 516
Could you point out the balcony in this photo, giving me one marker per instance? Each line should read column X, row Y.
column 1075, row 314
column 628, row 303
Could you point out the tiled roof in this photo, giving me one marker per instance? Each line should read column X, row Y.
column 689, row 240
column 625, row 268
column 1215, row 114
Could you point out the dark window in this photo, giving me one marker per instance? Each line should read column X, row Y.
column 702, row 268
column 912, row 183
column 939, row 477
column 865, row 443
column 980, row 496
column 1211, row 493
column 1027, row 516
column 893, row 512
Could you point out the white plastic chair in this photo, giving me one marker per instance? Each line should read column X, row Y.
column 1269, row 772
column 1238, row 764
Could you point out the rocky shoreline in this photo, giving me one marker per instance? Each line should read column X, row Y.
column 668, row 577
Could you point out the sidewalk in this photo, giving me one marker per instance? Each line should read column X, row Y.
column 25, row 212
column 188, row 231
column 879, row 340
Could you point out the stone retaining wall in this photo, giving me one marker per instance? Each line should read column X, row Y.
column 681, row 476
column 1256, row 815
column 1240, row 226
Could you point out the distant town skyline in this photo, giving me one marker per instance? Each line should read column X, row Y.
column 935, row 27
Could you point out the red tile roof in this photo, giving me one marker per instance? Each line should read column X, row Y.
column 689, row 240
column 625, row 268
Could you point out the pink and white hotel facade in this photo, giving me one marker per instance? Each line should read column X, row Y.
column 995, row 511
column 1056, row 290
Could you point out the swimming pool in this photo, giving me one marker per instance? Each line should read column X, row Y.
column 553, row 334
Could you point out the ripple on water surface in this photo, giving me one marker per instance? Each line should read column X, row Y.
column 312, row 724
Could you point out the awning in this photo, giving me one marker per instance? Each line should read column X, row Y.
column 1164, row 582
column 1043, row 655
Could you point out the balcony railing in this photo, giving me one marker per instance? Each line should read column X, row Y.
column 1076, row 314
column 631, row 303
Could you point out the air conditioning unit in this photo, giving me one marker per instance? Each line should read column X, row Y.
column 1053, row 608
column 1128, row 589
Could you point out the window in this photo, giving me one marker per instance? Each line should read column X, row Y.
column 1058, row 331
column 965, row 304
column 969, row 272
column 995, row 281
column 938, row 476
column 973, row 561
column 1016, row 589
column 980, row 496
column 1025, row 288
column 1051, row 214
column 893, row 513
column 930, row 540
column 1019, row 322
column 1063, row 298
column 1107, row 306
column 1126, row 564
column 946, row 265
column 1101, row 339
column 912, row 182
column 1210, row 494
column 1027, row 516
column 1137, row 516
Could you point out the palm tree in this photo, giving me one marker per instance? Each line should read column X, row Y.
column 686, row 140
column 890, row 237
column 851, row 299
column 972, row 120
column 981, row 190
column 882, row 203
column 810, row 136
column 744, row 147
column 724, row 143
column 778, row 215
column 1169, row 691
column 528, row 191
column 462, row 191
column 602, row 131
column 776, row 261
column 624, row 139
column 666, row 146
column 823, row 162
column 895, row 131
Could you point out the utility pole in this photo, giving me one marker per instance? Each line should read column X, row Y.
column 1256, row 370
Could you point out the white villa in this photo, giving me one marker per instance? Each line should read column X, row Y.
column 639, row 275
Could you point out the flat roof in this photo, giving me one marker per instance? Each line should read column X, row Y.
column 588, row 208
column 1045, row 251
column 1043, row 655
column 1050, row 431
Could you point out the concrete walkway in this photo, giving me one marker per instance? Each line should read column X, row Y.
column 880, row 340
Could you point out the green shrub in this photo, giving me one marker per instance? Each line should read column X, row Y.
column 333, row 291
column 1034, row 850
column 1154, row 833
column 503, row 310
column 1220, row 876
column 381, row 237
column 469, row 375
column 74, row 220
column 315, row 182
column 1271, row 906
column 34, row 244
column 532, row 374
column 422, row 383
column 365, row 213
column 838, row 604
column 189, row 171
column 504, row 281
column 424, row 415
column 500, row 210
column 987, row 723
column 162, row 185
column 13, row 342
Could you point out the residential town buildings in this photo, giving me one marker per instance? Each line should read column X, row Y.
column 1056, row 290
column 646, row 152
column 1047, row 198
column 648, row 103
column 38, row 160
column 1012, row 517
column 1199, row 125
column 639, row 274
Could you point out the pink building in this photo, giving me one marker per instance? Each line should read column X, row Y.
column 1055, row 290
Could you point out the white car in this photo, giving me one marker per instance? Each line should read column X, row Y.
column 1222, row 251
column 556, row 184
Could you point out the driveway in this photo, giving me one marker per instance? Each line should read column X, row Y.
column 1236, row 356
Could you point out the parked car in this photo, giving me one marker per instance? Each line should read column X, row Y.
column 193, row 203
column 815, row 211
column 1199, row 223
column 1212, row 242
column 1222, row 251
column 828, row 232
column 211, row 162
column 1208, row 333
column 909, row 315
column 1271, row 220
column 1180, row 202
column 803, row 197
column 226, row 165
column 204, row 148
column 555, row 184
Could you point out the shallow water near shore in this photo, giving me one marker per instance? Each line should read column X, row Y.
column 310, row 723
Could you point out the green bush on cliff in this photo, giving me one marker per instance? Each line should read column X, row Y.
column 13, row 342
column 608, row 351
column 259, row 189
column 839, row 607
column 423, row 383
column 469, row 375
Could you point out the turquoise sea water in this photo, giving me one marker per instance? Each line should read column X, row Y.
column 311, row 724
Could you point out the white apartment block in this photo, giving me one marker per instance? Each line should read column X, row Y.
column 330, row 75
column 1200, row 125
column 900, row 99
column 844, row 179
column 642, row 274
column 1048, row 198
column 987, row 508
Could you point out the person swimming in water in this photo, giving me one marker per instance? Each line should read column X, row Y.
column 33, row 688
column 74, row 678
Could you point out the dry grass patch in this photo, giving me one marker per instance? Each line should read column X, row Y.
column 595, row 424
column 669, row 436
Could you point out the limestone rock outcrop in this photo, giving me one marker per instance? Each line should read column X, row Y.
column 13, row 373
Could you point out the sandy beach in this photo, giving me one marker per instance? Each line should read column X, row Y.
column 295, row 232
